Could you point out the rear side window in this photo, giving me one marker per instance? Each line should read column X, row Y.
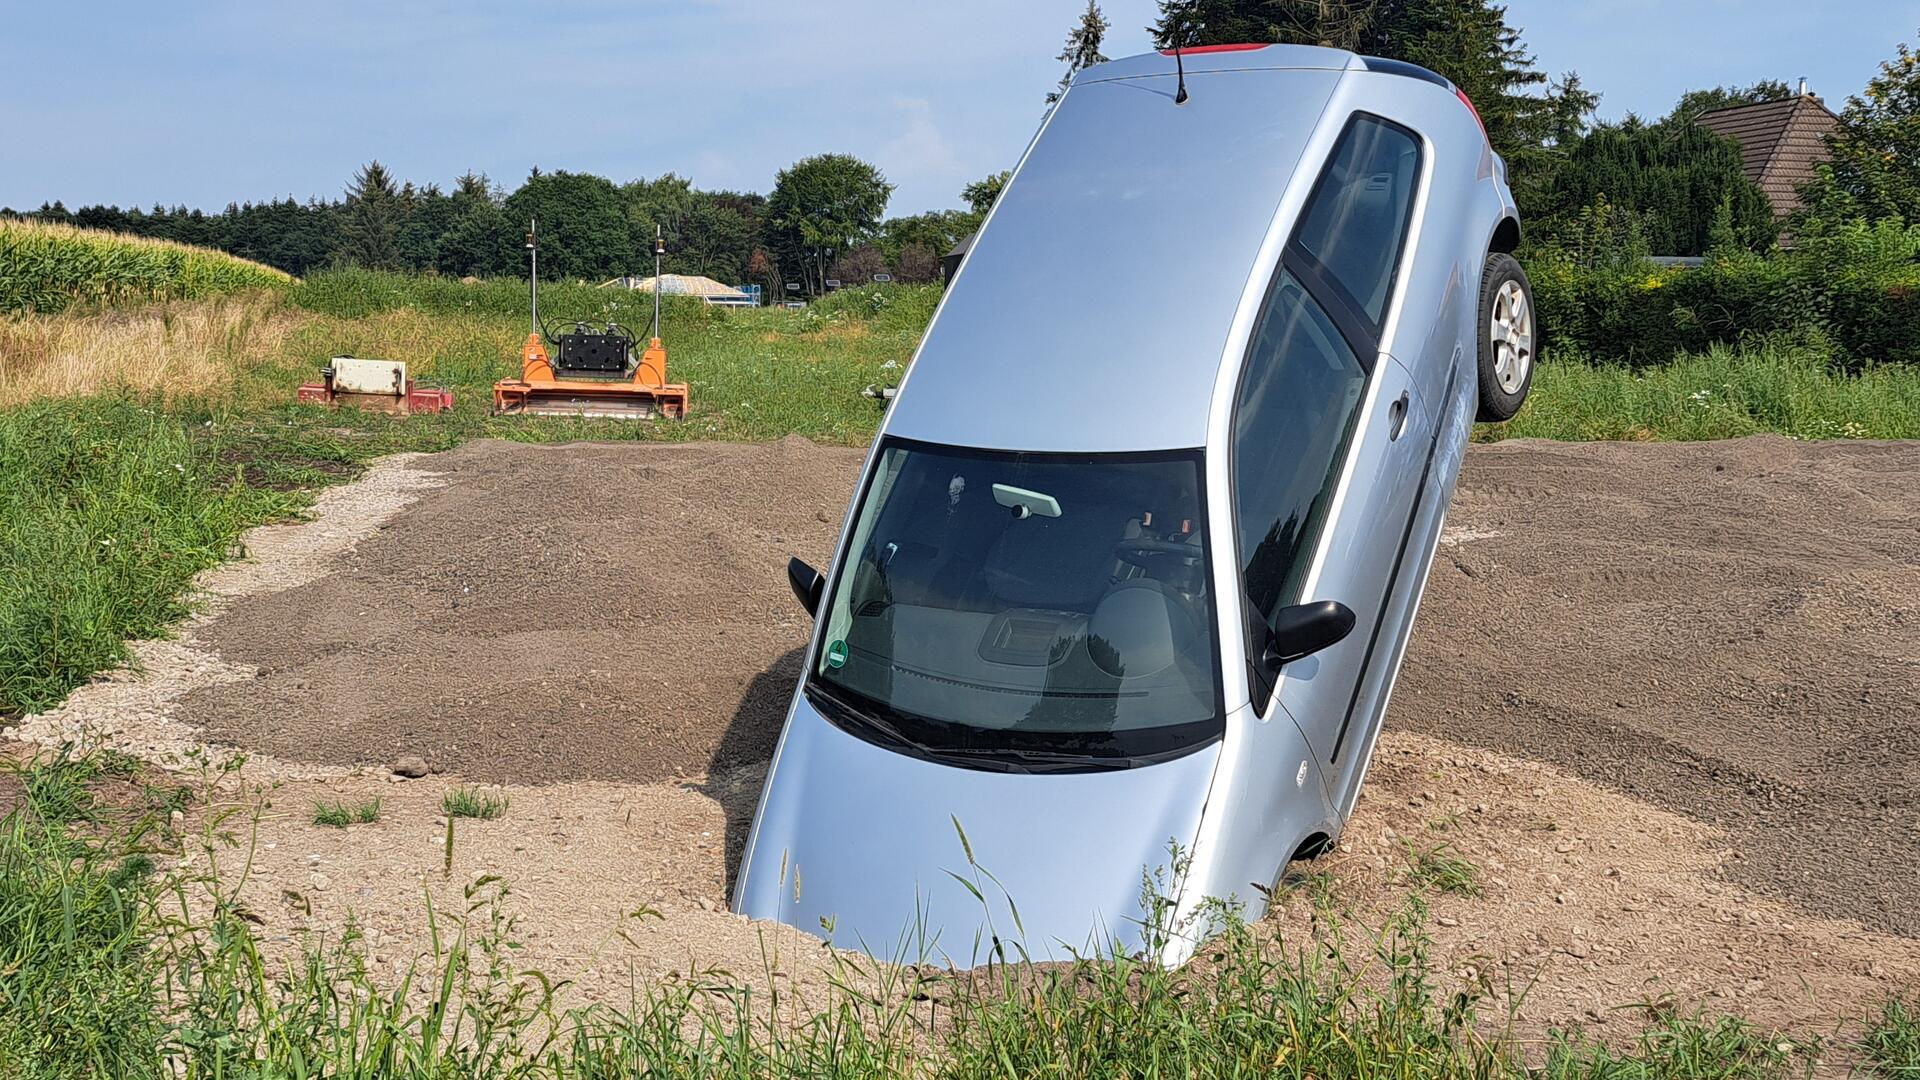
column 1293, row 418
column 1355, row 223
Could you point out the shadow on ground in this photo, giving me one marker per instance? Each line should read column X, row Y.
column 739, row 764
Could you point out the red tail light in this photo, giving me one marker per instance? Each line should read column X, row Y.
column 1468, row 102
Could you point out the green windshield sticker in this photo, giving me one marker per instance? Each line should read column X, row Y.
column 836, row 653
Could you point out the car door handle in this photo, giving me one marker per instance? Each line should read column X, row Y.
column 1397, row 416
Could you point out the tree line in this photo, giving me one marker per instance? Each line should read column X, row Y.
column 1661, row 186
column 824, row 220
column 1667, row 186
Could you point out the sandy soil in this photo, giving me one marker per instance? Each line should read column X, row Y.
column 1706, row 652
column 1728, row 630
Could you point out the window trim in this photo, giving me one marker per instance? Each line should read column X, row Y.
column 1262, row 703
column 1362, row 330
column 1362, row 334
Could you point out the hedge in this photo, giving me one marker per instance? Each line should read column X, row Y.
column 1642, row 314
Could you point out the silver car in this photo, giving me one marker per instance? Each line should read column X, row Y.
column 1131, row 567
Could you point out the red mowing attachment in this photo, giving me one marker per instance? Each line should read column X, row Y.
column 1197, row 49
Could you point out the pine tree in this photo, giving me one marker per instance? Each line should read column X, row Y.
column 370, row 220
column 1082, row 49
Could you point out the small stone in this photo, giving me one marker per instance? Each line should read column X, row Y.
column 411, row 767
column 319, row 881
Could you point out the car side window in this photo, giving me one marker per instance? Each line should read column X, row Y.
column 1355, row 223
column 1294, row 413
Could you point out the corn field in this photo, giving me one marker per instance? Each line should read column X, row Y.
column 48, row 268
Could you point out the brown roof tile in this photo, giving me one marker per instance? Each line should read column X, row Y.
column 1780, row 143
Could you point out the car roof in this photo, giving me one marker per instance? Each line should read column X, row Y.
column 1093, row 310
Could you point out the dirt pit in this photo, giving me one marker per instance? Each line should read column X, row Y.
column 1705, row 653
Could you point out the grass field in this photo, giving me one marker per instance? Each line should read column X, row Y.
column 112, row 966
column 45, row 267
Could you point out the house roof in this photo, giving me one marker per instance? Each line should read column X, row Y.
column 1780, row 143
column 680, row 285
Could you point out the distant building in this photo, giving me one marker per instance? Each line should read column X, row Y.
column 1781, row 143
column 950, row 262
column 713, row 292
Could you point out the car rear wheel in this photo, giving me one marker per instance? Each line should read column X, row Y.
column 1507, row 338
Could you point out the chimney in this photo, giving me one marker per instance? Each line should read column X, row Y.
column 1804, row 92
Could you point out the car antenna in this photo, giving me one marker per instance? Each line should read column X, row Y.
column 1180, row 67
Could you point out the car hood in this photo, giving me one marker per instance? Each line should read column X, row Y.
column 916, row 861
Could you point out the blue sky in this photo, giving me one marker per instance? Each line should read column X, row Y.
column 215, row 100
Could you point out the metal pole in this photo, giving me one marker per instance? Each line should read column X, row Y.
column 659, row 248
column 533, row 273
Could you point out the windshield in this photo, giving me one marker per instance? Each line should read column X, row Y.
column 1028, row 611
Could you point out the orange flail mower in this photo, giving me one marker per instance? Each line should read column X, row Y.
column 593, row 371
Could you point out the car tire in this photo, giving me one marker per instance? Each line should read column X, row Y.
column 1508, row 338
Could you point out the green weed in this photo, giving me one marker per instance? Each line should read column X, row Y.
column 1892, row 1042
column 466, row 802
column 1438, row 868
column 340, row 814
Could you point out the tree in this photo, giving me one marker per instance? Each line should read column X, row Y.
column 1467, row 41
column 916, row 264
column 982, row 193
column 1082, row 49
column 370, row 223
column 820, row 208
column 1876, row 151
column 936, row 230
column 478, row 241
column 1671, row 176
column 584, row 231
column 858, row 266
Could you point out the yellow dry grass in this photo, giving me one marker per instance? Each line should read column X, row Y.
column 175, row 348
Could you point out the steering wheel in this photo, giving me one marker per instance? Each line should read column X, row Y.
column 1147, row 553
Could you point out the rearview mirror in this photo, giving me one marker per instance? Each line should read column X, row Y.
column 809, row 583
column 1305, row 629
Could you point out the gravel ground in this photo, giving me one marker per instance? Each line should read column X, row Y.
column 1661, row 694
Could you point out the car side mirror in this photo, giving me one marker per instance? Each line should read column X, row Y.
column 809, row 583
column 1304, row 629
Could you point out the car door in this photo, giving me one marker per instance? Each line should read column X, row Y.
column 1330, row 434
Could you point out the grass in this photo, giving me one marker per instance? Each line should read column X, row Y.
column 339, row 814
column 47, row 267
column 1438, row 869
column 466, row 802
column 1892, row 1042
column 110, row 967
column 1779, row 386
column 110, row 507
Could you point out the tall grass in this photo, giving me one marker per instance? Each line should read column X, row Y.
column 109, row 968
column 47, row 267
column 109, row 508
column 1780, row 385
column 171, row 349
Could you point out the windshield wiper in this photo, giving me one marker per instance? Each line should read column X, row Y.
column 870, row 720
column 1023, row 759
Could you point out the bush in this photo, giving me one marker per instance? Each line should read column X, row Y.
column 356, row 294
column 46, row 267
column 1859, row 285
